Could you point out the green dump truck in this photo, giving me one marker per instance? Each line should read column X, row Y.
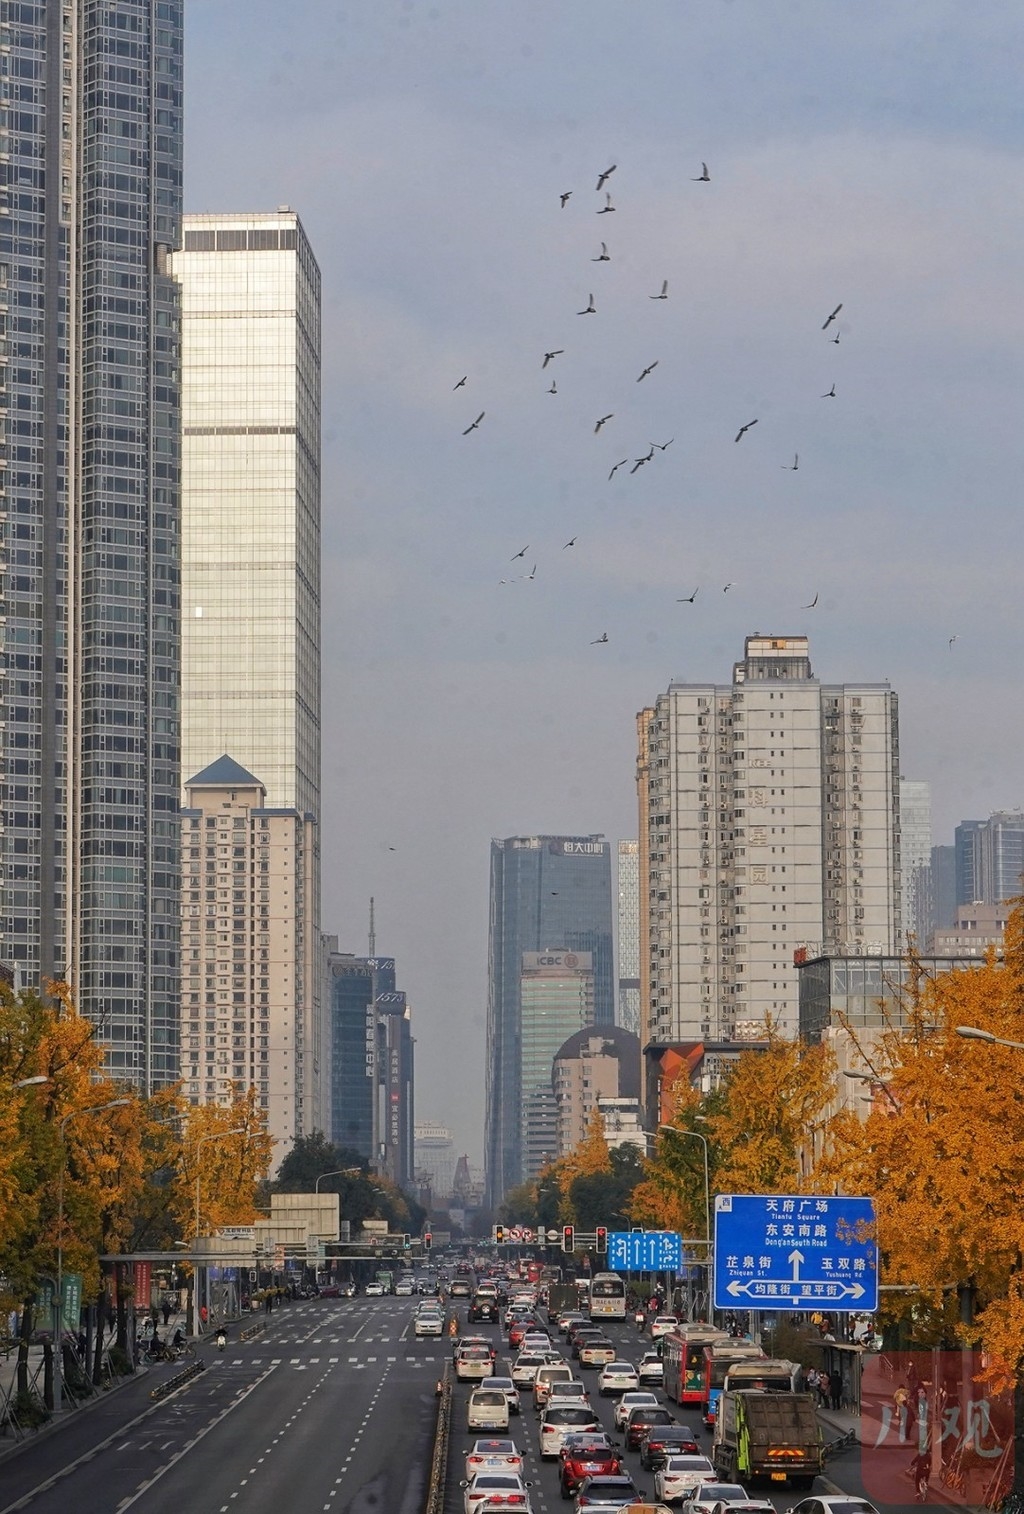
column 768, row 1437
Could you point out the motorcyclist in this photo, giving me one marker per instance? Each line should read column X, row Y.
column 221, row 1337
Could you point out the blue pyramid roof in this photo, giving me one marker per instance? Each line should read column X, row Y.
column 224, row 773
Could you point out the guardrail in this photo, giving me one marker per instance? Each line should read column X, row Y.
column 833, row 1447
column 439, row 1461
column 169, row 1384
column 256, row 1328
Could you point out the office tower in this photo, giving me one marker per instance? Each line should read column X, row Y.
column 372, row 1073
column 629, row 936
column 434, row 1155
column 250, row 296
column 773, row 825
column 935, row 894
column 990, row 858
column 592, row 1064
column 915, row 846
column 968, row 880
column 251, row 969
column 545, row 891
column 556, row 998
column 90, row 771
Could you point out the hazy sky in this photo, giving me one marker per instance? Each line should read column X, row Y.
column 864, row 153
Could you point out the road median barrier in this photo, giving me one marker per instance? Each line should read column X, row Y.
column 439, row 1461
column 178, row 1380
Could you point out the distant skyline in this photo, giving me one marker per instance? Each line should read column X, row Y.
column 867, row 156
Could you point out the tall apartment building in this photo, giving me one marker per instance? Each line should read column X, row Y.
column 250, row 297
column 371, row 1107
column 91, row 100
column 590, row 1065
column 773, row 824
column 545, row 891
column 251, row 965
column 915, row 846
column 556, row 997
column 629, row 936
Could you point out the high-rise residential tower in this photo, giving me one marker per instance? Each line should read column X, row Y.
column 915, row 848
column 773, row 826
column 629, row 936
column 250, row 296
column 91, row 96
column 546, row 892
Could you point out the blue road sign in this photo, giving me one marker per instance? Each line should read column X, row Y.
column 645, row 1251
column 795, row 1251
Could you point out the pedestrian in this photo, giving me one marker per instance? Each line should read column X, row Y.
column 204, row 1315
column 921, row 1470
column 167, row 1313
column 837, row 1390
column 825, row 1389
column 811, row 1378
column 900, row 1400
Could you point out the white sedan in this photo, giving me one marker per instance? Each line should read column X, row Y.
column 506, row 1488
column 617, row 1377
column 704, row 1498
column 663, row 1324
column 680, row 1475
column 524, row 1368
column 428, row 1323
column 639, row 1399
column 495, row 1454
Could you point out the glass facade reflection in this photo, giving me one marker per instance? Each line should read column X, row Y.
column 546, row 891
column 91, row 101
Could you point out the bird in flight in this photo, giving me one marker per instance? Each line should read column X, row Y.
column 462, row 380
column 532, row 573
column 602, row 256
column 832, row 317
column 727, row 587
column 608, row 208
column 744, row 429
column 602, row 421
column 565, row 198
column 639, row 462
column 570, row 543
column 688, row 599
column 703, row 177
column 549, row 357
column 590, row 310
column 835, row 339
column 600, row 640
column 831, row 394
column 663, row 446
column 615, row 470
column 603, row 179
column 664, row 292
column 554, row 388
column 475, row 423
column 520, row 554
column 812, row 604
column 951, row 641
column 794, row 465
column 649, row 369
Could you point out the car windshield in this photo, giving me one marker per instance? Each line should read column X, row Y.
column 688, row 1464
column 489, row 1400
column 494, row 1448
column 568, row 1416
column 495, row 1480
column 499, row 1382
column 718, row 1492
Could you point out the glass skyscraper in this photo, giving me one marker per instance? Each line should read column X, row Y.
column 250, row 291
column 91, row 102
column 546, row 892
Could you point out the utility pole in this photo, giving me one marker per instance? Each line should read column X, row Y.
column 373, row 933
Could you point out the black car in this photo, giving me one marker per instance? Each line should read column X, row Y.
column 483, row 1306
column 666, row 1440
column 607, row 1493
column 641, row 1419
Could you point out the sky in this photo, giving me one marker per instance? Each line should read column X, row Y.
column 863, row 154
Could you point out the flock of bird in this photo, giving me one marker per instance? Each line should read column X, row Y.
column 549, row 358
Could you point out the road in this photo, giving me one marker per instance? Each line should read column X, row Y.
column 330, row 1411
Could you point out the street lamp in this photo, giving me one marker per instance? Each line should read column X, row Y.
column 337, row 1172
column 972, row 1033
column 59, row 1306
column 874, row 1082
column 215, row 1135
column 679, row 1131
column 32, row 1082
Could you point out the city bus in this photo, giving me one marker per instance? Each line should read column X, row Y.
column 682, row 1355
column 607, row 1296
column 718, row 1358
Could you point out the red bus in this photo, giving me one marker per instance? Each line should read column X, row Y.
column 719, row 1356
column 682, row 1355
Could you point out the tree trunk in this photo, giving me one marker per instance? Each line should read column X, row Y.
column 48, row 1375
column 24, row 1335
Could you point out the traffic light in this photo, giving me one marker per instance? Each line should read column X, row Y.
column 601, row 1237
column 568, row 1238
column 498, row 1235
column 406, row 1241
column 427, row 1240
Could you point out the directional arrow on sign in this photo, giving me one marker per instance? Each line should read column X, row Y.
column 757, row 1290
column 796, row 1257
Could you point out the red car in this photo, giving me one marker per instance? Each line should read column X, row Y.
column 521, row 1327
column 584, row 1456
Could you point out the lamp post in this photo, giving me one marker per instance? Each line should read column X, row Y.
column 31, row 1082
column 679, row 1131
column 215, row 1135
column 972, row 1033
column 58, row 1334
column 336, row 1172
column 874, row 1082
